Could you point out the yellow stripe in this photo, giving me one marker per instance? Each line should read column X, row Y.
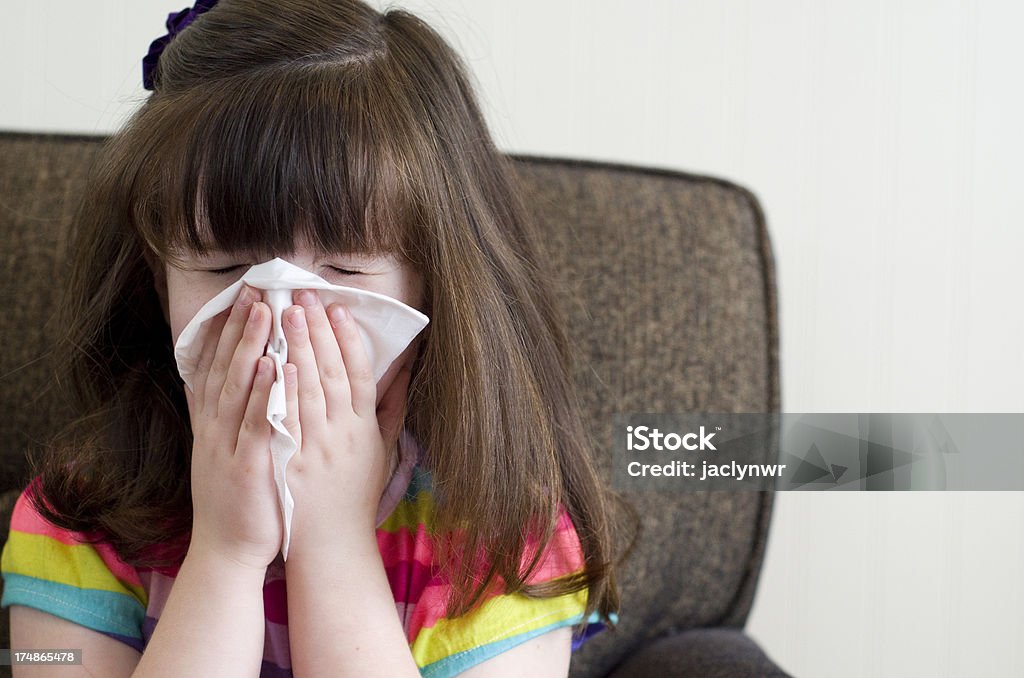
column 42, row 557
column 411, row 514
column 500, row 618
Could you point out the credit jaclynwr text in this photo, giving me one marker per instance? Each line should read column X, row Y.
column 688, row 470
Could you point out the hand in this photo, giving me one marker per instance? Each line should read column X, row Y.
column 234, row 500
column 345, row 442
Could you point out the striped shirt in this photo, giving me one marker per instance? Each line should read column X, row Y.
column 52, row 570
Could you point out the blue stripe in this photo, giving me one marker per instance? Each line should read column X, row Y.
column 457, row 663
column 103, row 611
column 420, row 482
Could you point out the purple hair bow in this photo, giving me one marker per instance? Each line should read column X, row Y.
column 176, row 23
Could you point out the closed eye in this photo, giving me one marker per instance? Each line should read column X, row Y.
column 223, row 271
column 343, row 271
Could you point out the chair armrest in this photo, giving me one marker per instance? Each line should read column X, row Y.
column 708, row 653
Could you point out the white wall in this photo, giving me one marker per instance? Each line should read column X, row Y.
column 883, row 139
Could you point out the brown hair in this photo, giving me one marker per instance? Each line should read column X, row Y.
column 360, row 131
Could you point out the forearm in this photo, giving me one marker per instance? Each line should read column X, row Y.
column 342, row 619
column 212, row 623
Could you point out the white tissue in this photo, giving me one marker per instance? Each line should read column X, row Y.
column 386, row 325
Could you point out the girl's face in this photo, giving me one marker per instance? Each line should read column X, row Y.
column 184, row 288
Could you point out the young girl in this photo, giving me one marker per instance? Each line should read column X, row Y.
column 459, row 490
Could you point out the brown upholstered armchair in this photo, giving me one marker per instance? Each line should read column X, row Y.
column 672, row 299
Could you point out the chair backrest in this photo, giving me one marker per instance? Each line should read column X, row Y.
column 671, row 298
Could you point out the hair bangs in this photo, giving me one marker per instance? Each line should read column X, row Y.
column 262, row 159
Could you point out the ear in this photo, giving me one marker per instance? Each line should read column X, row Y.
column 159, row 280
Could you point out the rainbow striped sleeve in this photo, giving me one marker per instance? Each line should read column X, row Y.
column 48, row 568
column 443, row 646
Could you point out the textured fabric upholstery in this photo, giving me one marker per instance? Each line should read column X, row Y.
column 670, row 291
column 703, row 653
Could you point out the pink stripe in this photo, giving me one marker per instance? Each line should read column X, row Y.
column 564, row 552
column 408, row 580
column 562, row 555
column 405, row 546
column 430, row 607
column 27, row 520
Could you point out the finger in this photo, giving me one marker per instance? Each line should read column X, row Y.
column 291, row 400
column 229, row 338
column 391, row 412
column 300, row 353
column 213, row 330
column 331, row 368
column 357, row 364
column 254, row 432
column 238, row 383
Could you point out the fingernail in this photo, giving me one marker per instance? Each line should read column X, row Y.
column 337, row 314
column 247, row 296
column 307, row 298
column 254, row 313
column 297, row 319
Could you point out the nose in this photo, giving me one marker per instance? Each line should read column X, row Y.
column 303, row 259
